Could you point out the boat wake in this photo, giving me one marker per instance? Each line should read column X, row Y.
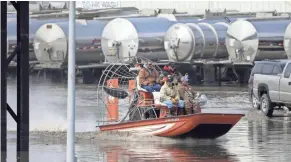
column 111, row 136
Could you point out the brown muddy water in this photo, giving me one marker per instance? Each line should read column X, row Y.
column 254, row 138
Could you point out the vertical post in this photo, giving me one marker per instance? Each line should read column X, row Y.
column 18, row 68
column 219, row 75
column 23, row 82
column 3, row 82
column 215, row 73
column 71, row 86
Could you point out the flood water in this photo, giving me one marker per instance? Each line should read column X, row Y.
column 254, row 138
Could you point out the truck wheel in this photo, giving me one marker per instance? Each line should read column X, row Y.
column 255, row 102
column 266, row 105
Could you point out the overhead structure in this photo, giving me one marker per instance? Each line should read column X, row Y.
column 186, row 18
column 249, row 41
column 32, row 8
column 58, row 5
column 124, row 38
column 51, row 43
column 121, row 16
column 196, row 42
column 87, row 14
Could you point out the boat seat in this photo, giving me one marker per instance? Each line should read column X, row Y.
column 157, row 100
column 146, row 98
column 138, row 87
column 161, row 106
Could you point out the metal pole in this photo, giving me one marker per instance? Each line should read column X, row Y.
column 3, row 82
column 71, row 86
column 23, row 82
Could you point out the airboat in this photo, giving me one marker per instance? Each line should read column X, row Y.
column 124, row 106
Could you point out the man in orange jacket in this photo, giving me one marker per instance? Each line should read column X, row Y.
column 148, row 76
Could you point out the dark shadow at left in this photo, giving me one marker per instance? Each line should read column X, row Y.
column 22, row 53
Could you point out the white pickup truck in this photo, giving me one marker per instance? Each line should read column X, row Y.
column 273, row 90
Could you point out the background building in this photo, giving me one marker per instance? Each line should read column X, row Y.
column 195, row 6
column 192, row 7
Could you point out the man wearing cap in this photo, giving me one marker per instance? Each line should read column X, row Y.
column 148, row 76
column 170, row 95
column 188, row 95
column 162, row 79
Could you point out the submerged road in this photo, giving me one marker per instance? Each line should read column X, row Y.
column 254, row 138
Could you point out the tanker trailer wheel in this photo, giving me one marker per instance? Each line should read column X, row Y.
column 266, row 105
column 88, row 77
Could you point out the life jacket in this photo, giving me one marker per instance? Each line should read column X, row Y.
column 166, row 68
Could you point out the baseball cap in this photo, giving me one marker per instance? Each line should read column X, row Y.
column 170, row 78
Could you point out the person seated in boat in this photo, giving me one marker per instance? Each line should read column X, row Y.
column 179, row 86
column 172, row 70
column 188, row 94
column 148, row 76
column 169, row 95
column 186, row 77
column 169, row 69
column 162, row 78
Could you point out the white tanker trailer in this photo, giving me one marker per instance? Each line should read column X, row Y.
column 196, row 41
column 127, row 37
column 51, row 43
column 33, row 26
column 254, row 39
column 124, row 38
column 249, row 41
column 199, row 43
column 208, row 43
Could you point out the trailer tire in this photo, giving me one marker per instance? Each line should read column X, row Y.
column 266, row 105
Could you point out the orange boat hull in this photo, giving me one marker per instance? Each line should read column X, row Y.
column 194, row 126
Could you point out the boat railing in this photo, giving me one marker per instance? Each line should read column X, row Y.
column 139, row 107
